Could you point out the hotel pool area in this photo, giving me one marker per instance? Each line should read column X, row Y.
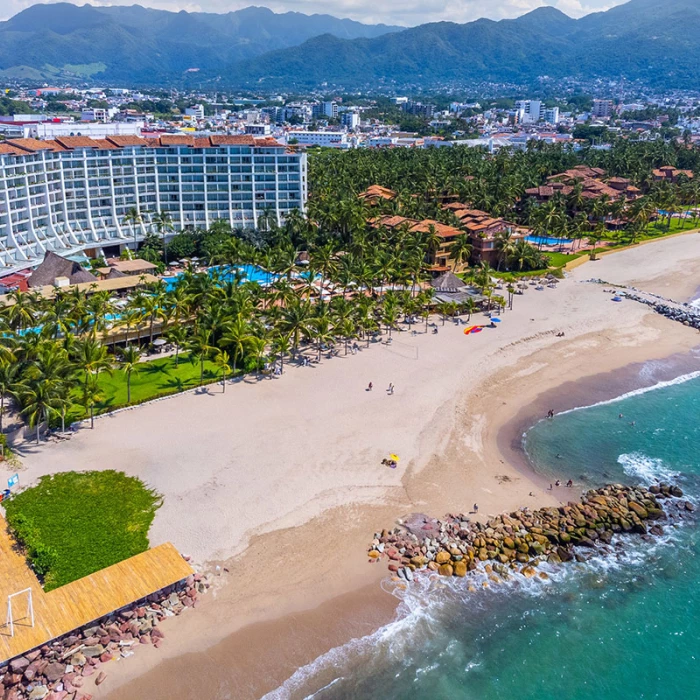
column 548, row 240
column 248, row 273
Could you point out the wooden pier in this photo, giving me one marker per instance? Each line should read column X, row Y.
column 76, row 604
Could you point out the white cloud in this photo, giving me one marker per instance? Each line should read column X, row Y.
column 407, row 13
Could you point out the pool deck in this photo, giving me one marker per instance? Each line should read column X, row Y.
column 76, row 604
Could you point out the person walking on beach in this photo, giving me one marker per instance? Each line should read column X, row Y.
column 369, row 387
column 550, row 413
column 390, row 389
column 476, row 508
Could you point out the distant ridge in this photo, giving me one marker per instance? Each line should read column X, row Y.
column 654, row 41
column 142, row 45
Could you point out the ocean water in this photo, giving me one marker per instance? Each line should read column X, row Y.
column 625, row 626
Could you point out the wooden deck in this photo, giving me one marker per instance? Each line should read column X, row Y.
column 64, row 609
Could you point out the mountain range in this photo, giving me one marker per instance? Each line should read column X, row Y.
column 654, row 41
column 146, row 46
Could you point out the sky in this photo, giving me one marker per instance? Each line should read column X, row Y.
column 404, row 12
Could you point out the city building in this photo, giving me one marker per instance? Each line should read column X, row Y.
column 602, row 108
column 54, row 129
column 328, row 110
column 350, row 120
column 529, row 111
column 551, row 115
column 71, row 194
column 258, row 129
column 196, row 111
column 332, row 139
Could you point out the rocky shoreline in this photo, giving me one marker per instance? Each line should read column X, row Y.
column 57, row 670
column 515, row 543
column 682, row 313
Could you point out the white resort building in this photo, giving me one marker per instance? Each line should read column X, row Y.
column 71, row 194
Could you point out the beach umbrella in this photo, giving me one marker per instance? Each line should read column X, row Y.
column 158, row 342
column 396, row 458
column 495, row 320
column 616, row 299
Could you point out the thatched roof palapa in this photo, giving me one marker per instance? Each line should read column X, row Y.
column 53, row 266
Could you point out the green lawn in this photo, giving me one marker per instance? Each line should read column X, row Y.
column 153, row 379
column 561, row 259
column 73, row 524
column 657, row 229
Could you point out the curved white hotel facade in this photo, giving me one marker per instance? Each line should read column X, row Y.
column 71, row 194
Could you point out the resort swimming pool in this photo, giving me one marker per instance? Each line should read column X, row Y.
column 249, row 273
column 548, row 240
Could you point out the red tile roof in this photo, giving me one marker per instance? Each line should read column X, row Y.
column 122, row 141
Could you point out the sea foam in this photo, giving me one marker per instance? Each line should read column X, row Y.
column 648, row 470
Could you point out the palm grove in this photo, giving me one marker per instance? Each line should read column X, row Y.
column 59, row 354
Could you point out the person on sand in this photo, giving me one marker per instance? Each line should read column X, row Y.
column 390, row 389
column 476, row 508
column 369, row 387
column 569, row 483
column 551, row 488
column 557, row 483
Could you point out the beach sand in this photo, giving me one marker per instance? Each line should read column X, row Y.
column 280, row 481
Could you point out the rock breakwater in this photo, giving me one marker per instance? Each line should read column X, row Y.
column 516, row 542
column 58, row 670
column 682, row 313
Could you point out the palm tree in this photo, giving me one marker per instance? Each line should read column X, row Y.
column 201, row 347
column 92, row 394
column 281, row 346
column 133, row 218
column 178, row 337
column 504, row 244
column 237, row 335
column 163, row 223
column 296, row 322
column 322, row 332
column 9, row 373
column 221, row 360
column 91, row 358
column 460, row 250
column 130, row 357
column 40, row 398
column 443, row 309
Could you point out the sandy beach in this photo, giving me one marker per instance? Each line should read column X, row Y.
column 279, row 483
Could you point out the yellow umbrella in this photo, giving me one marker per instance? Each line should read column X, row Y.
column 396, row 458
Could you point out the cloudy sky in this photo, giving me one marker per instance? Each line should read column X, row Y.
column 405, row 12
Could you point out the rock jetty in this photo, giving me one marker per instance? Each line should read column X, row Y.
column 684, row 313
column 518, row 541
column 58, row 670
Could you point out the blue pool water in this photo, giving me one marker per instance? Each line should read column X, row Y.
column 621, row 627
column 249, row 273
column 548, row 240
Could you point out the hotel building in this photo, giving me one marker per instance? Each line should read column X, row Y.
column 71, row 194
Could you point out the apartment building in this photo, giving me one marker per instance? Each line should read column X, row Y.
column 332, row 139
column 71, row 194
column 602, row 108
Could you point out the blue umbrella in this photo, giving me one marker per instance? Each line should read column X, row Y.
column 616, row 299
column 495, row 320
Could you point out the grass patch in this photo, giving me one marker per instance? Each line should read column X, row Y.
column 561, row 259
column 154, row 378
column 73, row 524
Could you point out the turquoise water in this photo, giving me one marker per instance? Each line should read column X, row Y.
column 246, row 273
column 548, row 240
column 625, row 626
column 249, row 273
